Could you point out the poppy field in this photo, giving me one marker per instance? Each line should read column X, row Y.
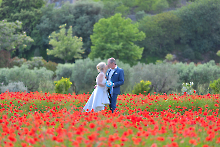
column 153, row 120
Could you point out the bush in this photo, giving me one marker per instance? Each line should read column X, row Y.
column 189, row 54
column 3, row 80
column 173, row 3
column 62, row 85
column 14, row 87
column 50, row 65
column 200, row 74
column 143, row 87
column 199, row 26
column 163, row 76
column 29, row 77
column 65, row 71
column 156, row 28
column 17, row 62
column 160, row 5
column 46, row 86
column 215, row 86
column 140, row 15
column 84, row 74
column 34, row 62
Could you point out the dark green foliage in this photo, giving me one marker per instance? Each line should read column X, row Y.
column 199, row 26
column 26, row 11
column 173, row 3
column 143, row 87
column 189, row 54
column 112, row 7
column 62, row 85
column 215, row 86
column 11, row 38
column 81, row 15
column 145, row 5
column 161, row 32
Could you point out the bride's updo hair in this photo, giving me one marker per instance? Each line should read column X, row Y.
column 100, row 67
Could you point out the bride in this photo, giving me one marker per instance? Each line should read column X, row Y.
column 99, row 97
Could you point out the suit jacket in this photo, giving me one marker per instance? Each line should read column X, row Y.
column 117, row 78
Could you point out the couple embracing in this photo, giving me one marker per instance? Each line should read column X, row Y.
column 103, row 95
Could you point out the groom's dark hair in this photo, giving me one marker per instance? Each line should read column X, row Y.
column 112, row 60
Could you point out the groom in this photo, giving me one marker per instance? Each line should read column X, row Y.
column 116, row 75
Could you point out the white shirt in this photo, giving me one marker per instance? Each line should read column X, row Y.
column 111, row 72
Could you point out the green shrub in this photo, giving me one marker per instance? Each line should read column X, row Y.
column 50, row 65
column 62, row 85
column 160, row 5
column 14, row 87
column 29, row 77
column 215, row 86
column 17, row 62
column 200, row 74
column 65, row 71
column 46, row 86
column 3, row 80
column 35, row 62
column 169, row 57
column 163, row 76
column 143, row 87
column 156, row 28
column 189, row 54
column 84, row 74
column 199, row 28
column 140, row 14
column 173, row 3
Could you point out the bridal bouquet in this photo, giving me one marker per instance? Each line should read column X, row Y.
column 109, row 84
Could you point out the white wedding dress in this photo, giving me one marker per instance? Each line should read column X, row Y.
column 99, row 97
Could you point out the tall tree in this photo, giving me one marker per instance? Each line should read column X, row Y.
column 115, row 37
column 65, row 45
column 12, row 39
column 82, row 15
column 26, row 11
column 161, row 32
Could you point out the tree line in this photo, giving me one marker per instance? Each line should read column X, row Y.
column 92, row 29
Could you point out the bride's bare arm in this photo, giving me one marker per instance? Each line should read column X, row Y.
column 100, row 79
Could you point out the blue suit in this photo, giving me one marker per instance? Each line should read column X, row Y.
column 118, row 80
